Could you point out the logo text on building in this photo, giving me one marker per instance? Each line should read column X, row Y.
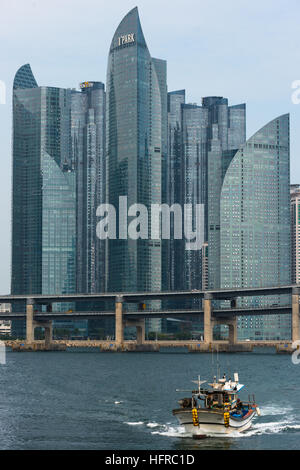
column 85, row 85
column 126, row 39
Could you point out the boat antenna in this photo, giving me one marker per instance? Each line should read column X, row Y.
column 218, row 364
column 212, row 361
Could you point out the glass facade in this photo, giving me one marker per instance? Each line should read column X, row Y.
column 88, row 154
column 295, row 233
column 172, row 178
column 226, row 133
column 255, row 224
column 58, row 183
column 44, row 192
column 194, row 185
column 202, row 142
column 136, row 141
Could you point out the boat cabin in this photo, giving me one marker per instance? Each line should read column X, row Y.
column 219, row 399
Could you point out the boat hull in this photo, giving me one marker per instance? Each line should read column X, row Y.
column 211, row 423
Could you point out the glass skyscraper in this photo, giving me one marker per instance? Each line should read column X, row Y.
column 44, row 190
column 58, row 182
column 202, row 142
column 226, row 133
column 88, row 154
column 295, row 232
column 255, row 224
column 136, row 142
column 44, row 209
column 194, row 185
column 172, row 180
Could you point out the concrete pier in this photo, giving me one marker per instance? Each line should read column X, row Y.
column 29, row 321
column 31, row 324
column 140, row 329
column 119, row 325
column 207, row 306
column 232, row 325
column 48, row 334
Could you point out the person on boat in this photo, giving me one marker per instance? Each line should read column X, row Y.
column 239, row 405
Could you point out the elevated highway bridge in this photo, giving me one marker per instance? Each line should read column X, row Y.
column 36, row 317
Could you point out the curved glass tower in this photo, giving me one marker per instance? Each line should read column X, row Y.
column 255, row 217
column 44, row 191
column 136, row 102
column 26, row 195
column 24, row 78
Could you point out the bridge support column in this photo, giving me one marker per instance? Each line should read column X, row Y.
column 208, row 331
column 232, row 325
column 119, row 326
column 140, row 332
column 47, row 325
column 295, row 316
column 140, row 329
column 29, row 321
column 48, row 334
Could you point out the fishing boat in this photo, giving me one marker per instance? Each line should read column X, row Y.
column 216, row 410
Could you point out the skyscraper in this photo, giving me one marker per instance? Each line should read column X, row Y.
column 194, row 185
column 44, row 209
column 88, row 153
column 58, row 182
column 295, row 233
column 202, row 142
column 226, row 133
column 172, row 180
column 44, row 190
column 255, row 221
column 136, row 142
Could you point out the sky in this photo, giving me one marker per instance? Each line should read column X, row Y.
column 246, row 51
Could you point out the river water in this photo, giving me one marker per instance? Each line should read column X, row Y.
column 94, row 400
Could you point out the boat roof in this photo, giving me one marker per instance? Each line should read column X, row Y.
column 224, row 385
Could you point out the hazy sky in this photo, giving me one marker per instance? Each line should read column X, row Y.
column 248, row 51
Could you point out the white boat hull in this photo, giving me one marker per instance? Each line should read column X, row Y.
column 212, row 423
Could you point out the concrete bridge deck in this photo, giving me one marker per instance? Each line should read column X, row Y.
column 268, row 310
column 228, row 316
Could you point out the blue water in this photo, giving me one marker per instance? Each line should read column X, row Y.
column 93, row 400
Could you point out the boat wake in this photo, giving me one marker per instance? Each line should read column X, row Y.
column 162, row 429
column 271, row 428
column 171, row 431
column 275, row 410
column 136, row 423
column 285, row 423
